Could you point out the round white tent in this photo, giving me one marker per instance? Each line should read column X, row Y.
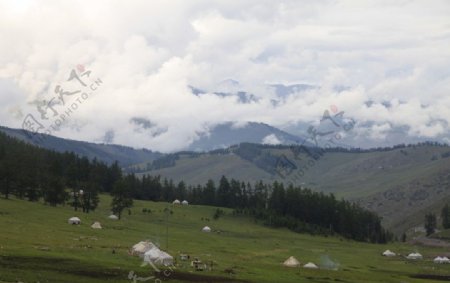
column 96, row 225
column 441, row 260
column 388, row 253
column 176, row 202
column 310, row 265
column 185, row 202
column 291, row 262
column 141, row 247
column 74, row 221
column 206, row 229
column 158, row 257
column 113, row 217
column 414, row 256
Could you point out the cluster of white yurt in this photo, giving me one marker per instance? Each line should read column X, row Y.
column 140, row 248
column 151, row 253
column 206, row 229
column 414, row 256
column 158, row 257
column 293, row 262
column 441, row 260
column 177, row 202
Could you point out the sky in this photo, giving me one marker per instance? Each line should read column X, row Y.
column 136, row 63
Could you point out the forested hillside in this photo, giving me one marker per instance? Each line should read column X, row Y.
column 400, row 183
column 57, row 178
column 30, row 172
column 108, row 153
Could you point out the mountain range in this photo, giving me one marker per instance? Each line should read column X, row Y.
column 227, row 134
column 218, row 136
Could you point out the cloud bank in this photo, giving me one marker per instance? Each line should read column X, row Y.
column 385, row 64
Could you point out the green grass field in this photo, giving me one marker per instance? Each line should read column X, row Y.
column 37, row 245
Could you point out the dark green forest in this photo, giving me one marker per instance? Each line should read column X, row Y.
column 32, row 173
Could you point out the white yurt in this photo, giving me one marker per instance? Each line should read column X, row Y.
column 310, row 265
column 441, row 260
column 291, row 262
column 96, row 225
column 414, row 256
column 388, row 253
column 206, row 229
column 176, row 202
column 74, row 221
column 141, row 247
column 158, row 257
column 185, row 202
column 113, row 217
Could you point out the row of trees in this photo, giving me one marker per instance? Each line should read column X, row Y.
column 298, row 209
column 34, row 173
column 430, row 224
column 445, row 215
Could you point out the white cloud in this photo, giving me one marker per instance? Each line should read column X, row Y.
column 148, row 53
column 271, row 139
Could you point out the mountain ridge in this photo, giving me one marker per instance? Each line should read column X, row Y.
column 107, row 153
column 227, row 134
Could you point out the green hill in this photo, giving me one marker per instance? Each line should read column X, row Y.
column 107, row 153
column 37, row 245
column 400, row 184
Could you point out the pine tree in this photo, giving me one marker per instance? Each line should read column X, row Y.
column 89, row 198
column 75, row 199
column 209, row 193
column 430, row 223
column 277, row 200
column 404, row 237
column 114, row 174
column 7, row 174
column 180, row 191
column 223, row 192
column 54, row 192
column 122, row 198
column 445, row 214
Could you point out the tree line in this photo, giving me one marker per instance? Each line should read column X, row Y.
column 431, row 222
column 34, row 173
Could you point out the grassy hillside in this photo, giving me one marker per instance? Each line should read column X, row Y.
column 394, row 183
column 37, row 245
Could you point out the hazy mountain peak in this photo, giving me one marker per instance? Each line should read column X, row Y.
column 227, row 134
